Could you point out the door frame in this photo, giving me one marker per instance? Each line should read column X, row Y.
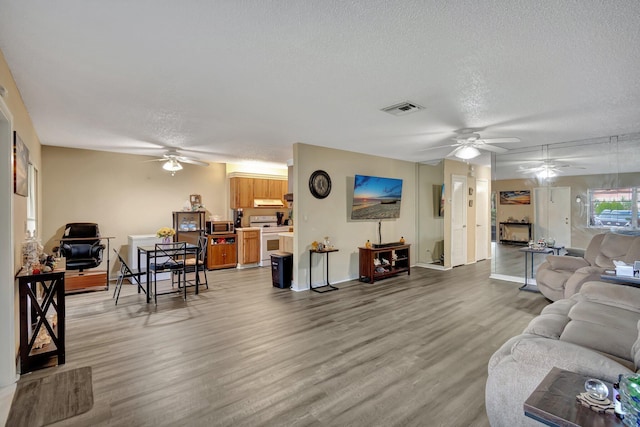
column 463, row 208
column 8, row 372
column 487, row 224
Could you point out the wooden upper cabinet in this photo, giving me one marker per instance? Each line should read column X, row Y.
column 261, row 188
column 244, row 190
column 241, row 192
column 277, row 189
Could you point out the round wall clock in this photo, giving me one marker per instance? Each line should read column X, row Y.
column 320, row 184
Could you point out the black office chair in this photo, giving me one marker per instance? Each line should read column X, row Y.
column 126, row 273
column 199, row 263
column 80, row 245
column 167, row 257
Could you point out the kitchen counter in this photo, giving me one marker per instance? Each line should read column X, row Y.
column 286, row 241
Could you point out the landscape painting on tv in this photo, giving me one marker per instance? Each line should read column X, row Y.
column 376, row 198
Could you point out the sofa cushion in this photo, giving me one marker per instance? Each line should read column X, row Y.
column 601, row 327
column 614, row 246
column 626, row 297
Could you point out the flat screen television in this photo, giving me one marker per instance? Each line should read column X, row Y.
column 375, row 197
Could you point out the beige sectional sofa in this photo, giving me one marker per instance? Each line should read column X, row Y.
column 594, row 333
column 562, row 276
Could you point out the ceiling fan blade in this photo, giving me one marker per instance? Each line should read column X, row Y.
column 492, row 148
column 453, row 152
column 192, row 161
column 500, row 140
column 438, row 147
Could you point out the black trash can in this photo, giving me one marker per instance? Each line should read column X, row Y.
column 281, row 269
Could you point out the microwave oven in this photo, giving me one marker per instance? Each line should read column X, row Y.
column 214, row 227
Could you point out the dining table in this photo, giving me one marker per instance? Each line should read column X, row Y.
column 151, row 252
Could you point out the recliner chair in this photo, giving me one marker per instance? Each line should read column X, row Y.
column 80, row 245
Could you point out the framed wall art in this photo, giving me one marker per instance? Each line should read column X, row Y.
column 20, row 166
column 515, row 197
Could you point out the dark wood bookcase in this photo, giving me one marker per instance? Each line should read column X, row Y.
column 370, row 270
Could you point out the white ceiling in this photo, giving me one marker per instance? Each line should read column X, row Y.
column 232, row 80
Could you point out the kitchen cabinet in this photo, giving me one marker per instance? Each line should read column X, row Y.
column 244, row 190
column 241, row 191
column 261, row 188
column 189, row 225
column 277, row 189
column 221, row 251
column 248, row 247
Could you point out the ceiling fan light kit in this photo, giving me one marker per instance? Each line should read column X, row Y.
column 467, row 152
column 172, row 165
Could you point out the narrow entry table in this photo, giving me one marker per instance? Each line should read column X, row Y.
column 528, row 251
column 42, row 319
column 328, row 286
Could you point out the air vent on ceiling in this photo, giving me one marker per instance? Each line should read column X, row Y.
column 403, row 108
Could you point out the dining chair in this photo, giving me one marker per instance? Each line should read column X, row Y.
column 167, row 257
column 125, row 272
column 196, row 264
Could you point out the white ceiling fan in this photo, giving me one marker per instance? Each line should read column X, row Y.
column 469, row 143
column 172, row 160
column 547, row 168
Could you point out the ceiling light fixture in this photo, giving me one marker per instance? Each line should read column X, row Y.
column 467, row 152
column 172, row 165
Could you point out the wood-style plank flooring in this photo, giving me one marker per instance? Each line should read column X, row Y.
column 410, row 350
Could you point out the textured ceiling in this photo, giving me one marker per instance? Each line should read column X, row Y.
column 233, row 80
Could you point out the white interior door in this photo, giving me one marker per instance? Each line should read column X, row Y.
column 458, row 220
column 482, row 219
column 552, row 214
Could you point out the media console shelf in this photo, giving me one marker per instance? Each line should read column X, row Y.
column 371, row 270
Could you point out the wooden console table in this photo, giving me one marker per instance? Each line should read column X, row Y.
column 371, row 272
column 553, row 402
column 41, row 295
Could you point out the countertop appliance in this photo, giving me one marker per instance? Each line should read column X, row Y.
column 269, row 239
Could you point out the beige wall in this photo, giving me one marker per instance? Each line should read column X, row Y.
column 24, row 127
column 316, row 218
column 124, row 194
column 17, row 209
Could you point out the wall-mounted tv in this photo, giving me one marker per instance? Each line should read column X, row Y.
column 375, row 197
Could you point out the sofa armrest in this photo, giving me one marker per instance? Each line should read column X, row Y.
column 576, row 252
column 569, row 263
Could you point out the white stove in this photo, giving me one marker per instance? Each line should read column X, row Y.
column 269, row 239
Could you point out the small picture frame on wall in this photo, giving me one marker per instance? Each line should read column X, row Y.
column 196, row 200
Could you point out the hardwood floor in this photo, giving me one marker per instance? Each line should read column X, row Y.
column 410, row 350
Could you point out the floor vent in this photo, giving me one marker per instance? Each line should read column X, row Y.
column 403, row 108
